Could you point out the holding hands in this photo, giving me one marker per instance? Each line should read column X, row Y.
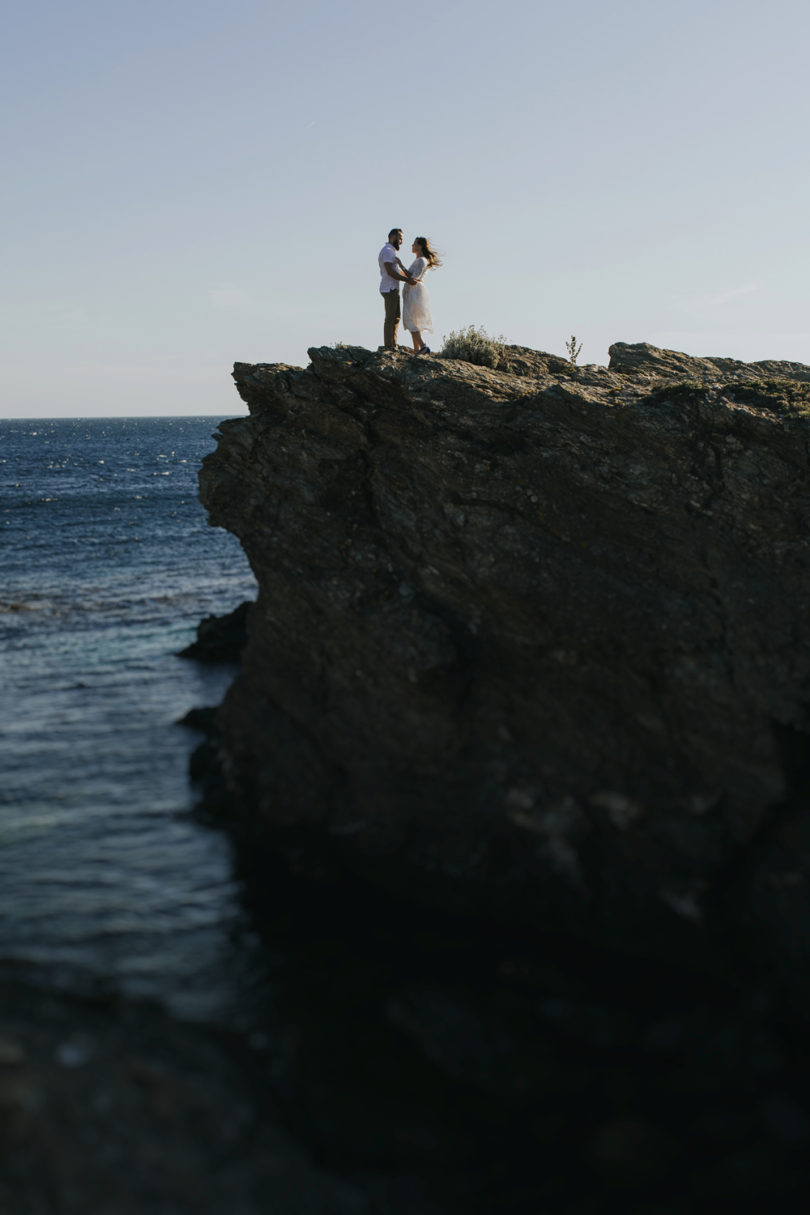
column 408, row 277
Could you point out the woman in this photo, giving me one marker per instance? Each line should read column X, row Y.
column 415, row 301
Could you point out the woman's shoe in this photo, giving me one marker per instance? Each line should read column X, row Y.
column 423, row 350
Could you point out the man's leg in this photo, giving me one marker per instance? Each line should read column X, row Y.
column 391, row 300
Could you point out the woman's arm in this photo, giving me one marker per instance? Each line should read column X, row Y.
column 419, row 273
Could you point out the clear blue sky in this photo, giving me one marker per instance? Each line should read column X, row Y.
column 190, row 184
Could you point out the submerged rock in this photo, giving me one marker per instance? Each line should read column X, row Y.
column 531, row 642
column 116, row 1107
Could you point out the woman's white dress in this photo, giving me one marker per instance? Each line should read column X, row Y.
column 416, row 301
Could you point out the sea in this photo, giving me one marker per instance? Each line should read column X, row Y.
column 109, row 881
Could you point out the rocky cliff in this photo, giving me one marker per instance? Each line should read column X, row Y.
column 531, row 641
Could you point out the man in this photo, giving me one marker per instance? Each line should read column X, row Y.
column 391, row 275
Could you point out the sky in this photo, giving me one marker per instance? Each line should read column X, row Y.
column 187, row 185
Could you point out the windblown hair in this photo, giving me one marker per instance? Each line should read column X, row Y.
column 433, row 259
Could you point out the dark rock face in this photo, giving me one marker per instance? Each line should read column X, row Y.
column 531, row 642
column 220, row 638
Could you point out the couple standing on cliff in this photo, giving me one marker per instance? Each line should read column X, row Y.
column 415, row 302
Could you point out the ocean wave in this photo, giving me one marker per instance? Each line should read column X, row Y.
column 15, row 606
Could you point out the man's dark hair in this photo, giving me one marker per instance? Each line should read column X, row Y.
column 393, row 232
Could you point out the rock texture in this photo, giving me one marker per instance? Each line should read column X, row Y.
column 531, row 642
column 220, row 638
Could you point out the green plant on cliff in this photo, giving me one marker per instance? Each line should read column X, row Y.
column 787, row 397
column 573, row 350
column 474, row 345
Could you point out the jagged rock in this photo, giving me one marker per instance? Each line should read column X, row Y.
column 532, row 641
column 220, row 638
column 645, row 360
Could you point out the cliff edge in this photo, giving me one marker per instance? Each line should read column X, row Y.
column 531, row 642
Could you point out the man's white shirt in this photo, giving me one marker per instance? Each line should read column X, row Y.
column 387, row 254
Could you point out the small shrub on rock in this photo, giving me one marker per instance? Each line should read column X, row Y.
column 474, row 345
column 573, row 349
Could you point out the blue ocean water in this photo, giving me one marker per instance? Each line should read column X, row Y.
column 107, row 565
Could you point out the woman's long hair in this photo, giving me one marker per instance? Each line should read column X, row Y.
column 433, row 259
